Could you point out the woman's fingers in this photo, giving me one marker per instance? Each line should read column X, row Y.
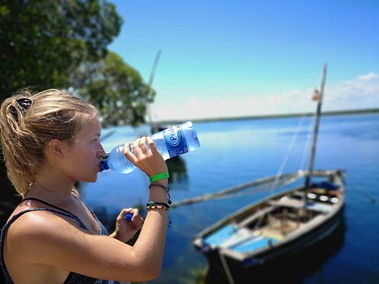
column 144, row 155
column 132, row 216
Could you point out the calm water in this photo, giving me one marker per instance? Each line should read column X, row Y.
column 234, row 152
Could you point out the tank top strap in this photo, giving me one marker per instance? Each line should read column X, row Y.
column 62, row 211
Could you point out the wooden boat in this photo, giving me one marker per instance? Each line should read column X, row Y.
column 276, row 227
column 280, row 225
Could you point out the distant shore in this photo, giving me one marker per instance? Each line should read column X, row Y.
column 325, row 113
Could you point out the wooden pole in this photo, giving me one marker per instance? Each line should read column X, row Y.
column 315, row 133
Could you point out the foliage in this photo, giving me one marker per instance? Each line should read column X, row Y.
column 43, row 42
column 115, row 88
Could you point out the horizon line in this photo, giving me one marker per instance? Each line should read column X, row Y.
column 268, row 116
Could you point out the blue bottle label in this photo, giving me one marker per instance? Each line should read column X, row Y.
column 175, row 142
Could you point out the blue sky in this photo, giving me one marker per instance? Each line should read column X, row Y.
column 241, row 58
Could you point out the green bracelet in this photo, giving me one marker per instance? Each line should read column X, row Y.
column 160, row 176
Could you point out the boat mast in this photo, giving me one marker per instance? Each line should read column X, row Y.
column 320, row 96
column 150, row 116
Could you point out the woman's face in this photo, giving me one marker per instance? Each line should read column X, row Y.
column 86, row 153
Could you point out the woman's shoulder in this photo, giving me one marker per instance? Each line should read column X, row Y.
column 37, row 225
column 32, row 231
column 26, row 223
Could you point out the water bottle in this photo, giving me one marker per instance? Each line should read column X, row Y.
column 171, row 142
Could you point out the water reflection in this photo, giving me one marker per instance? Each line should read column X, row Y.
column 177, row 169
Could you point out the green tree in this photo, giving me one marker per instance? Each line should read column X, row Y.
column 115, row 88
column 42, row 42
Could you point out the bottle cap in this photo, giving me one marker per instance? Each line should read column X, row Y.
column 103, row 165
column 128, row 217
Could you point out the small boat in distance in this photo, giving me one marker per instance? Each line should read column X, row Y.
column 276, row 227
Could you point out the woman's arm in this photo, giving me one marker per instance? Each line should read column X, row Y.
column 43, row 238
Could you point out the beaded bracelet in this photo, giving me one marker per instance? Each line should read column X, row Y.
column 159, row 176
column 154, row 203
column 157, row 207
column 165, row 188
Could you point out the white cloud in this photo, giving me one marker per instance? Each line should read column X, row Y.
column 360, row 93
column 368, row 76
column 354, row 94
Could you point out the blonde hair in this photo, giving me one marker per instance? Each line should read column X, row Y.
column 29, row 121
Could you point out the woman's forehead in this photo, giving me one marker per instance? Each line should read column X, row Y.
column 91, row 128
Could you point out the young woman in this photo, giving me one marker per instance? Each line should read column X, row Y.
column 51, row 140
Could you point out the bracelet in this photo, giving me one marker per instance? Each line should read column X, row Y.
column 153, row 203
column 165, row 188
column 157, row 207
column 160, row 176
column 159, row 185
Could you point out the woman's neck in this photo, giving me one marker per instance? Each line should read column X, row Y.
column 51, row 191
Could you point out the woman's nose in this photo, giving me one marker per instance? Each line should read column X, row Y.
column 101, row 152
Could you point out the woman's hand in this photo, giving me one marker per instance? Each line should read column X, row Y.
column 145, row 156
column 126, row 229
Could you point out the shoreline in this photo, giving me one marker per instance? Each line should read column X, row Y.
column 270, row 116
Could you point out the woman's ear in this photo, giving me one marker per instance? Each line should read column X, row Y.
column 55, row 148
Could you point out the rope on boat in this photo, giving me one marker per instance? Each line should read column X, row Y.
column 226, row 268
column 286, row 156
